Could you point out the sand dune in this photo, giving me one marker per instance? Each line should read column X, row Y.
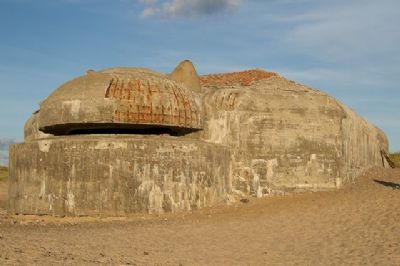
column 357, row 225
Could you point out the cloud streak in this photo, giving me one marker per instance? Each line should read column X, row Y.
column 348, row 31
column 187, row 8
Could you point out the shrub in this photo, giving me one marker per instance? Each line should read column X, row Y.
column 3, row 173
column 395, row 157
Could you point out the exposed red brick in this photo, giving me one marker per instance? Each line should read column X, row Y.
column 243, row 78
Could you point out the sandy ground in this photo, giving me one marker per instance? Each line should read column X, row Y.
column 357, row 225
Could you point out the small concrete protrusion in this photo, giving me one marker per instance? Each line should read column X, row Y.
column 338, row 182
column 186, row 74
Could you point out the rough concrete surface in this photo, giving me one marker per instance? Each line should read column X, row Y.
column 128, row 97
column 127, row 140
column 284, row 135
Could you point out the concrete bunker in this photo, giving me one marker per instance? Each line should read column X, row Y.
column 127, row 140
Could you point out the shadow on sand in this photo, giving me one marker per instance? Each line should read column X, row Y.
column 388, row 184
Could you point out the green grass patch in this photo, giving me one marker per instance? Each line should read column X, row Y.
column 395, row 157
column 3, row 173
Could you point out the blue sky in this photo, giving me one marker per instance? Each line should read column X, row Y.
column 349, row 49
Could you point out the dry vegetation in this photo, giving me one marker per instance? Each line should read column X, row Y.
column 3, row 173
column 395, row 157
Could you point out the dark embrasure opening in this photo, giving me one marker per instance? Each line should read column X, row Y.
column 115, row 128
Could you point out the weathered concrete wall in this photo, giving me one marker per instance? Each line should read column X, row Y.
column 31, row 129
column 116, row 175
column 286, row 136
column 362, row 145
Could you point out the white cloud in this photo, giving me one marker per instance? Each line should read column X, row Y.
column 148, row 2
column 187, row 8
column 149, row 11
